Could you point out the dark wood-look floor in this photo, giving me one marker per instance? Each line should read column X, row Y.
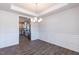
column 36, row 47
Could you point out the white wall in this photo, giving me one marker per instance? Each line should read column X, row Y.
column 9, row 31
column 34, row 31
column 62, row 29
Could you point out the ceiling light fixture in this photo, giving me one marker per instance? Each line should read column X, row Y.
column 36, row 18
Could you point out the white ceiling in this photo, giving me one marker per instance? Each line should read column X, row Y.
column 35, row 7
column 39, row 10
column 30, row 8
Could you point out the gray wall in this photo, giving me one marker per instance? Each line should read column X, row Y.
column 34, row 31
column 9, row 29
column 62, row 29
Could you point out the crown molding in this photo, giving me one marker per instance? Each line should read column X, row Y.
column 19, row 9
column 54, row 8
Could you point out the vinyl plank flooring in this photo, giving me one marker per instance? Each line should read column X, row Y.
column 36, row 47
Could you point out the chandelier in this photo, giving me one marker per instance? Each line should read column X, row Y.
column 36, row 18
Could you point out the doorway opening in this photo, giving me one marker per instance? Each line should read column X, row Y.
column 24, row 30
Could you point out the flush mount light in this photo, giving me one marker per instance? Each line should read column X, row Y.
column 36, row 18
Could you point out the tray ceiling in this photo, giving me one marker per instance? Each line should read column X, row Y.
column 41, row 7
column 30, row 9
